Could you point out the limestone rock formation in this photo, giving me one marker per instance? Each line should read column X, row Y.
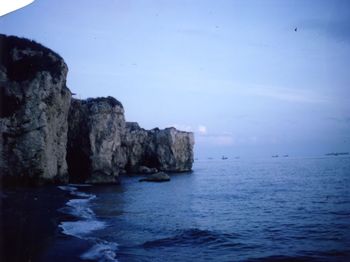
column 157, row 177
column 96, row 130
column 45, row 135
column 173, row 149
column 33, row 112
column 167, row 150
column 136, row 144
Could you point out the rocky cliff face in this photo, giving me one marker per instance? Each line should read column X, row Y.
column 42, row 130
column 168, row 150
column 101, row 145
column 33, row 112
column 173, row 149
column 96, row 129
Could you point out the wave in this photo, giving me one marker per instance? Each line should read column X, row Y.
column 81, row 228
column 103, row 251
column 78, row 207
column 196, row 237
column 68, row 188
column 88, row 223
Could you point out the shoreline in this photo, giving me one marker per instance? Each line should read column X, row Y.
column 29, row 226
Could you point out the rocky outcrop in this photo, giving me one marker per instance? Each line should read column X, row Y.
column 101, row 145
column 173, row 149
column 96, row 130
column 137, row 143
column 147, row 170
column 167, row 150
column 44, row 134
column 157, row 177
column 33, row 112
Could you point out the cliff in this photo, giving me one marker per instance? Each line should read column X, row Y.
column 96, row 129
column 33, row 112
column 45, row 136
column 167, row 150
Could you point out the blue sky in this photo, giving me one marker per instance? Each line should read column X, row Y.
column 234, row 72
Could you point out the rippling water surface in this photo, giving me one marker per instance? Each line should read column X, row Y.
column 242, row 210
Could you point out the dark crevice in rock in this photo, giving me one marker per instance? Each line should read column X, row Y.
column 9, row 103
column 78, row 145
column 78, row 165
column 151, row 161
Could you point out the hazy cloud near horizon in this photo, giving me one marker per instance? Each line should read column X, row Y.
column 236, row 73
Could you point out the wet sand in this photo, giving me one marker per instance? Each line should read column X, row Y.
column 29, row 226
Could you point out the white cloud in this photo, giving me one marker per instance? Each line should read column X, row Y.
column 202, row 129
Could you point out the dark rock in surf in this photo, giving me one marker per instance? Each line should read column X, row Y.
column 157, row 177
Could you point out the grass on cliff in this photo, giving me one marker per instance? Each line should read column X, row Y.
column 26, row 67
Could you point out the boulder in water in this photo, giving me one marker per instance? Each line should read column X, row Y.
column 157, row 177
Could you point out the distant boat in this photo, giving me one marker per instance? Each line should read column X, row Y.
column 275, row 156
column 224, row 158
column 338, row 154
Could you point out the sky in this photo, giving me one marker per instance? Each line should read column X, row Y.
column 249, row 78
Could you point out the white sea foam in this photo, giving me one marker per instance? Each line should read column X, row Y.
column 68, row 188
column 80, row 211
column 103, row 251
column 81, row 228
column 82, row 194
column 78, row 207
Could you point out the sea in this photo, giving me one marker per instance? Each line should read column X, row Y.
column 274, row 209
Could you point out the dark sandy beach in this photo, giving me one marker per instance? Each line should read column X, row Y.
column 29, row 226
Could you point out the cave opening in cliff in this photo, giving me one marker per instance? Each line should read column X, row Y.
column 151, row 161
column 78, row 165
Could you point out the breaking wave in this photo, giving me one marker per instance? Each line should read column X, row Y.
column 86, row 224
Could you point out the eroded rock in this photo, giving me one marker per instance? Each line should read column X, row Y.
column 33, row 112
column 37, row 115
column 147, row 170
column 167, row 150
column 173, row 149
column 96, row 129
column 157, row 177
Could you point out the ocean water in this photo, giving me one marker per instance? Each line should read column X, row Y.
column 285, row 209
